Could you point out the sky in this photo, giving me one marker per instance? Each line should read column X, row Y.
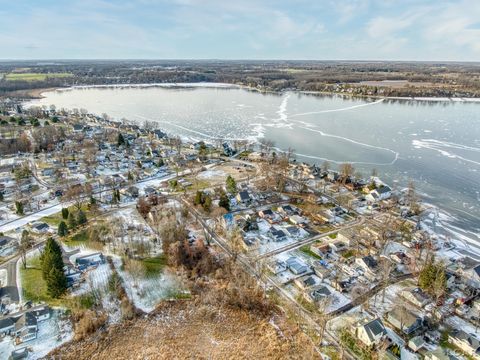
column 241, row 29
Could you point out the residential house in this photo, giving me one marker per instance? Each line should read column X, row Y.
column 277, row 233
column 86, row 261
column 243, row 197
column 287, row 210
column 296, row 266
column 298, row 220
column 416, row 296
column 368, row 264
column 317, row 294
column 277, row 267
column 320, row 249
column 26, row 327
column 7, row 324
column 40, row 227
column 132, row 191
column 416, row 343
column 42, row 313
column 381, row 193
column 371, row 333
column 293, row 231
column 404, row 320
column 266, row 214
column 307, row 281
column 466, row 342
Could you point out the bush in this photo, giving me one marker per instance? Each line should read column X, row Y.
column 89, row 322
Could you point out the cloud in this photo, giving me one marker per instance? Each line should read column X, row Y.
column 242, row 29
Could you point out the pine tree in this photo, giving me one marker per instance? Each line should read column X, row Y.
column 224, row 201
column 65, row 213
column 81, row 218
column 51, row 257
column 207, row 203
column 231, row 185
column 62, row 229
column 18, row 207
column 198, row 198
column 72, row 222
column 56, row 282
column 120, row 140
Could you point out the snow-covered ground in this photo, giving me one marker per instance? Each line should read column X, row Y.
column 96, row 282
column 214, row 174
column 147, row 292
column 30, row 218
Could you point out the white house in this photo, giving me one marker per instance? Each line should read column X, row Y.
column 371, row 333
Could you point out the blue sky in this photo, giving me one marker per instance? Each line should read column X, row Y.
column 241, row 29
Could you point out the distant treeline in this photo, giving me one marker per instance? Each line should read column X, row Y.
column 445, row 79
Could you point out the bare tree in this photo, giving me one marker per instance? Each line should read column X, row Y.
column 26, row 242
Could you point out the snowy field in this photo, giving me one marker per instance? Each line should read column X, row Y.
column 147, row 292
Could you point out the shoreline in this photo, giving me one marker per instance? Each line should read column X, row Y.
column 39, row 93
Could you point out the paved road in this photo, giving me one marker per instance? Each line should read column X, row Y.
column 10, row 289
column 10, row 265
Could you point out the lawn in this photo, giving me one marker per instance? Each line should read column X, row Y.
column 35, row 289
column 306, row 250
column 33, row 286
column 79, row 238
column 154, row 265
column 55, row 219
column 34, row 76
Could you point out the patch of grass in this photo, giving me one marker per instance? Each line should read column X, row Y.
column 333, row 236
column 154, row 265
column 34, row 76
column 306, row 250
column 79, row 238
column 33, row 286
column 52, row 220
column 348, row 254
column 178, row 294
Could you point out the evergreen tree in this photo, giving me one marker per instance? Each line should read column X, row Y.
column 224, row 201
column 120, row 140
column 160, row 162
column 231, row 185
column 198, row 198
column 72, row 222
column 81, row 218
column 207, row 203
column 51, row 257
column 65, row 213
column 62, row 229
column 18, row 207
column 93, row 201
column 56, row 282
column 1, row 196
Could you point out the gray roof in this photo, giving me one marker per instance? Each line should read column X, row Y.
column 471, row 340
column 6, row 323
column 374, row 328
column 383, row 189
